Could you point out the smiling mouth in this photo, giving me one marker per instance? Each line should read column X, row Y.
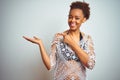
column 72, row 24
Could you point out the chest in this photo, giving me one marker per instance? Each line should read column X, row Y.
column 68, row 53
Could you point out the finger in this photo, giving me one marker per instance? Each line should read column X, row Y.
column 29, row 39
column 25, row 37
column 63, row 34
column 35, row 37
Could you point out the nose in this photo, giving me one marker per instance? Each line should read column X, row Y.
column 73, row 19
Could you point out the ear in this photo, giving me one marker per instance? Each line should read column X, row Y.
column 84, row 19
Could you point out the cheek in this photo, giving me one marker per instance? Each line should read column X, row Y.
column 79, row 21
column 69, row 21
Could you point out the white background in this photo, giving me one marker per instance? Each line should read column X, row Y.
column 21, row 60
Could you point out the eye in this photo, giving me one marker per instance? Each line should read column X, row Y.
column 70, row 17
column 77, row 18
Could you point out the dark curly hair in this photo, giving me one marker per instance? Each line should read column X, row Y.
column 83, row 6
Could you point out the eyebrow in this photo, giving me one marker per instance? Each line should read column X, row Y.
column 75, row 16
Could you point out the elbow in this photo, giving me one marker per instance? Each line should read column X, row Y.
column 48, row 67
column 90, row 65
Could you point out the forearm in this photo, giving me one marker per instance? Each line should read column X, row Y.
column 43, row 52
column 44, row 55
column 83, row 56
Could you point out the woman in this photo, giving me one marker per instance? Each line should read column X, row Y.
column 71, row 51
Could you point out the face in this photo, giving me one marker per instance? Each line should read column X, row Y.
column 75, row 19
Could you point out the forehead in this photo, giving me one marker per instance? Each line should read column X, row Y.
column 76, row 12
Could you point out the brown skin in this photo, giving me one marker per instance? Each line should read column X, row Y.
column 76, row 18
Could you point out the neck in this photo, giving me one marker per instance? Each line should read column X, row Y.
column 75, row 35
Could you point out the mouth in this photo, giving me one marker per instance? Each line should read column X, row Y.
column 72, row 24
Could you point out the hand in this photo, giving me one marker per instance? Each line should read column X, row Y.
column 67, row 39
column 33, row 40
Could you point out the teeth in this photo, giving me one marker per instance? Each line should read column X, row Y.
column 72, row 24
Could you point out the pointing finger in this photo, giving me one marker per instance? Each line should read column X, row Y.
column 63, row 34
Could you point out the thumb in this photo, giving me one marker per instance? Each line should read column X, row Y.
column 63, row 34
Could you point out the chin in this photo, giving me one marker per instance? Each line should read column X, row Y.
column 72, row 28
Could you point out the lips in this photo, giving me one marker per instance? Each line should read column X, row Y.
column 72, row 24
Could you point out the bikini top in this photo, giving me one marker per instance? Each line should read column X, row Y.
column 67, row 52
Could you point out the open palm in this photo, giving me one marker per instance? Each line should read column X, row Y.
column 35, row 39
